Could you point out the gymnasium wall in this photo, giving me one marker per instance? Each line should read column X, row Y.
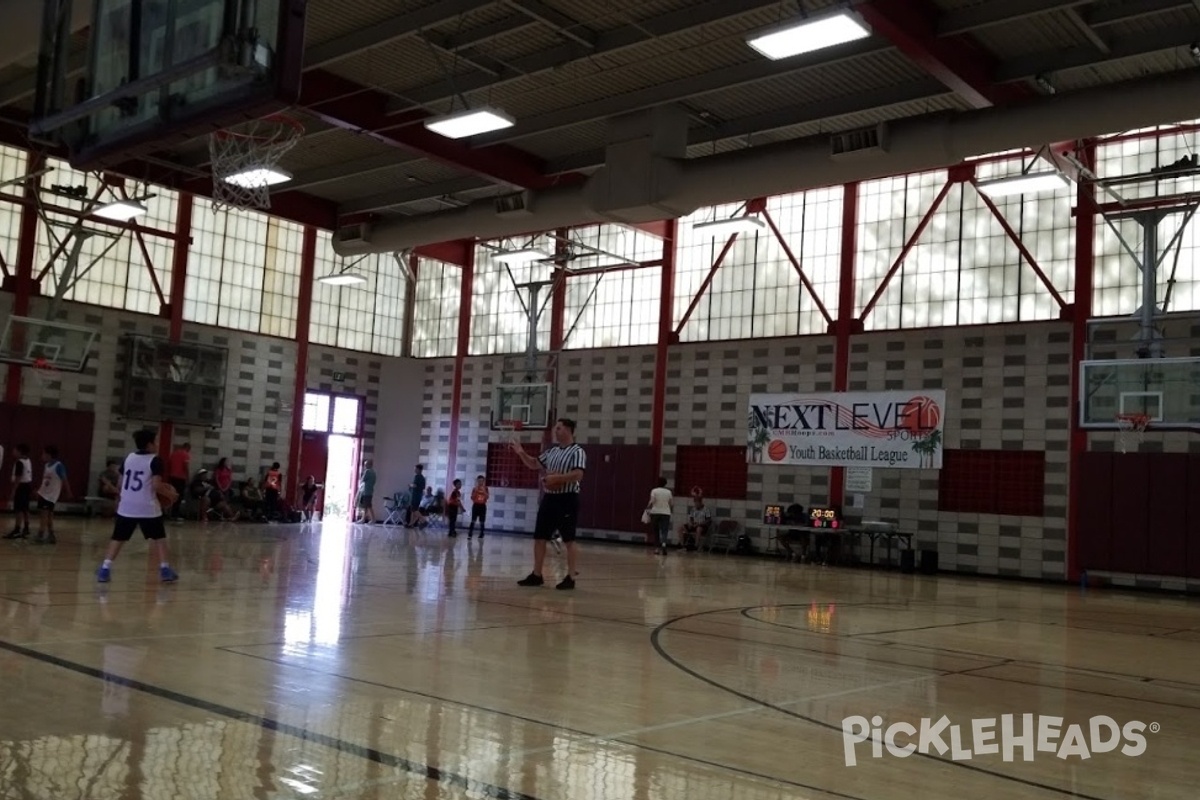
column 1008, row 387
column 261, row 374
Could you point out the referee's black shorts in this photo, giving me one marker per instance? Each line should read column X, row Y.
column 558, row 512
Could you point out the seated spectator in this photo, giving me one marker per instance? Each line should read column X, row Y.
column 110, row 482
column 699, row 521
column 252, row 500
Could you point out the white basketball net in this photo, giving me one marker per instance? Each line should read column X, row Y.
column 1130, row 428
column 246, row 152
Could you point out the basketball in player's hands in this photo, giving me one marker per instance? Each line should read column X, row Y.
column 166, row 494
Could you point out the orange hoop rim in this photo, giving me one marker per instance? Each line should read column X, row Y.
column 284, row 121
column 510, row 425
column 1137, row 422
column 43, row 364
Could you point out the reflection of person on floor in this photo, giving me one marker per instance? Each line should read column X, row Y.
column 308, row 497
column 366, row 494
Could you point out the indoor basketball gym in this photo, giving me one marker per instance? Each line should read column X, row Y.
column 899, row 296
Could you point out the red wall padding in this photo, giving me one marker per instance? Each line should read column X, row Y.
column 1140, row 513
column 616, row 486
column 70, row 431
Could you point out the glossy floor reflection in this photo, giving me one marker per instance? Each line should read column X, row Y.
column 362, row 662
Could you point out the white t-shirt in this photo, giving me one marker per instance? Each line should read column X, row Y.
column 23, row 470
column 52, row 481
column 660, row 500
column 138, row 500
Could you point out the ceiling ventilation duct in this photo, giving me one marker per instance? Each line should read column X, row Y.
column 645, row 178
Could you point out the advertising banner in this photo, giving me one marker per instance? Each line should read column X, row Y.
column 895, row 429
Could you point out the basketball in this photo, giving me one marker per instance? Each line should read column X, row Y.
column 920, row 416
column 166, row 494
column 777, row 450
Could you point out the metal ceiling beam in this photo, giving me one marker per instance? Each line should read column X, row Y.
column 986, row 15
column 1113, row 15
column 355, row 108
column 1137, row 44
column 341, row 171
column 1087, row 30
column 485, row 33
column 412, row 194
column 682, row 89
column 911, row 25
column 667, row 24
column 570, row 28
column 369, row 37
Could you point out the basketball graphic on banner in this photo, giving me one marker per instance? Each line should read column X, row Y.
column 777, row 450
column 921, row 415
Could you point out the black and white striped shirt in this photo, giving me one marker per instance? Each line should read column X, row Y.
column 564, row 459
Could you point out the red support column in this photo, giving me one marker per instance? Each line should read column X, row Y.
column 666, row 335
column 24, row 283
column 174, row 309
column 460, row 354
column 308, row 260
column 558, row 314
column 1080, row 311
column 848, row 322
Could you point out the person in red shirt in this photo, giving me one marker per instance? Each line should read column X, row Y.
column 479, row 501
column 179, row 473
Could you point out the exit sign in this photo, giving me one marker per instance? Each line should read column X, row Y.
column 339, row 376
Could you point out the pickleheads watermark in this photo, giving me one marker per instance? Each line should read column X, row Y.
column 1010, row 735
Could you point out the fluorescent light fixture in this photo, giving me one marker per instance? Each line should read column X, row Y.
column 751, row 223
column 258, row 176
column 524, row 256
column 342, row 279
column 120, row 210
column 1029, row 183
column 471, row 122
column 808, row 34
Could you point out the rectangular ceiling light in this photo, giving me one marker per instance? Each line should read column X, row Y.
column 471, row 122
column 525, row 256
column 1030, row 183
column 342, row 279
column 258, row 176
column 751, row 223
column 120, row 210
column 808, row 34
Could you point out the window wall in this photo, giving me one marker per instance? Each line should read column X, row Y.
column 12, row 167
column 98, row 263
column 499, row 309
column 435, row 314
column 368, row 316
column 618, row 308
column 756, row 292
column 1128, row 165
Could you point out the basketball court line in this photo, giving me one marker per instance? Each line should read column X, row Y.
column 661, row 651
column 587, row 736
column 974, row 673
column 267, row 723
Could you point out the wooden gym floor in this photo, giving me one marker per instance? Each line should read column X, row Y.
column 298, row 662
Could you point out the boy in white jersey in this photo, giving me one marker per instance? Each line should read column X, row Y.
column 138, row 507
column 54, row 484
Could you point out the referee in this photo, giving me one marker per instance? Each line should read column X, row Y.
column 559, row 510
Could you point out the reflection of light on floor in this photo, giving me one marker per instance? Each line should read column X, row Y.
column 323, row 624
column 820, row 618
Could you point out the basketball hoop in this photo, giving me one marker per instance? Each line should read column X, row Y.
column 513, row 426
column 43, row 370
column 249, row 154
column 1130, row 428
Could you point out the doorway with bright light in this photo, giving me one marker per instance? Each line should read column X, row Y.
column 330, row 451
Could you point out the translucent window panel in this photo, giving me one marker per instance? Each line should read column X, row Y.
column 695, row 253
column 281, row 278
column 242, row 270
column 1140, row 155
column 613, row 309
column 435, row 316
column 316, row 412
column 499, row 321
column 1118, row 278
column 346, row 415
column 391, row 304
column 621, row 245
column 12, row 166
column 202, row 286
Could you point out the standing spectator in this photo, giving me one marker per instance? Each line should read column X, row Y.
column 659, row 509
column 453, row 506
column 366, row 493
column 271, row 484
column 22, row 494
column 416, row 493
column 308, row 496
column 179, row 470
column 479, row 501
column 54, row 484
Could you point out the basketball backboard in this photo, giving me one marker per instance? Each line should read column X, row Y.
column 530, row 404
column 1166, row 390
column 163, row 70
column 39, row 342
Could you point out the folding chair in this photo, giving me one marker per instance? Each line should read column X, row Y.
column 396, row 507
column 725, row 536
